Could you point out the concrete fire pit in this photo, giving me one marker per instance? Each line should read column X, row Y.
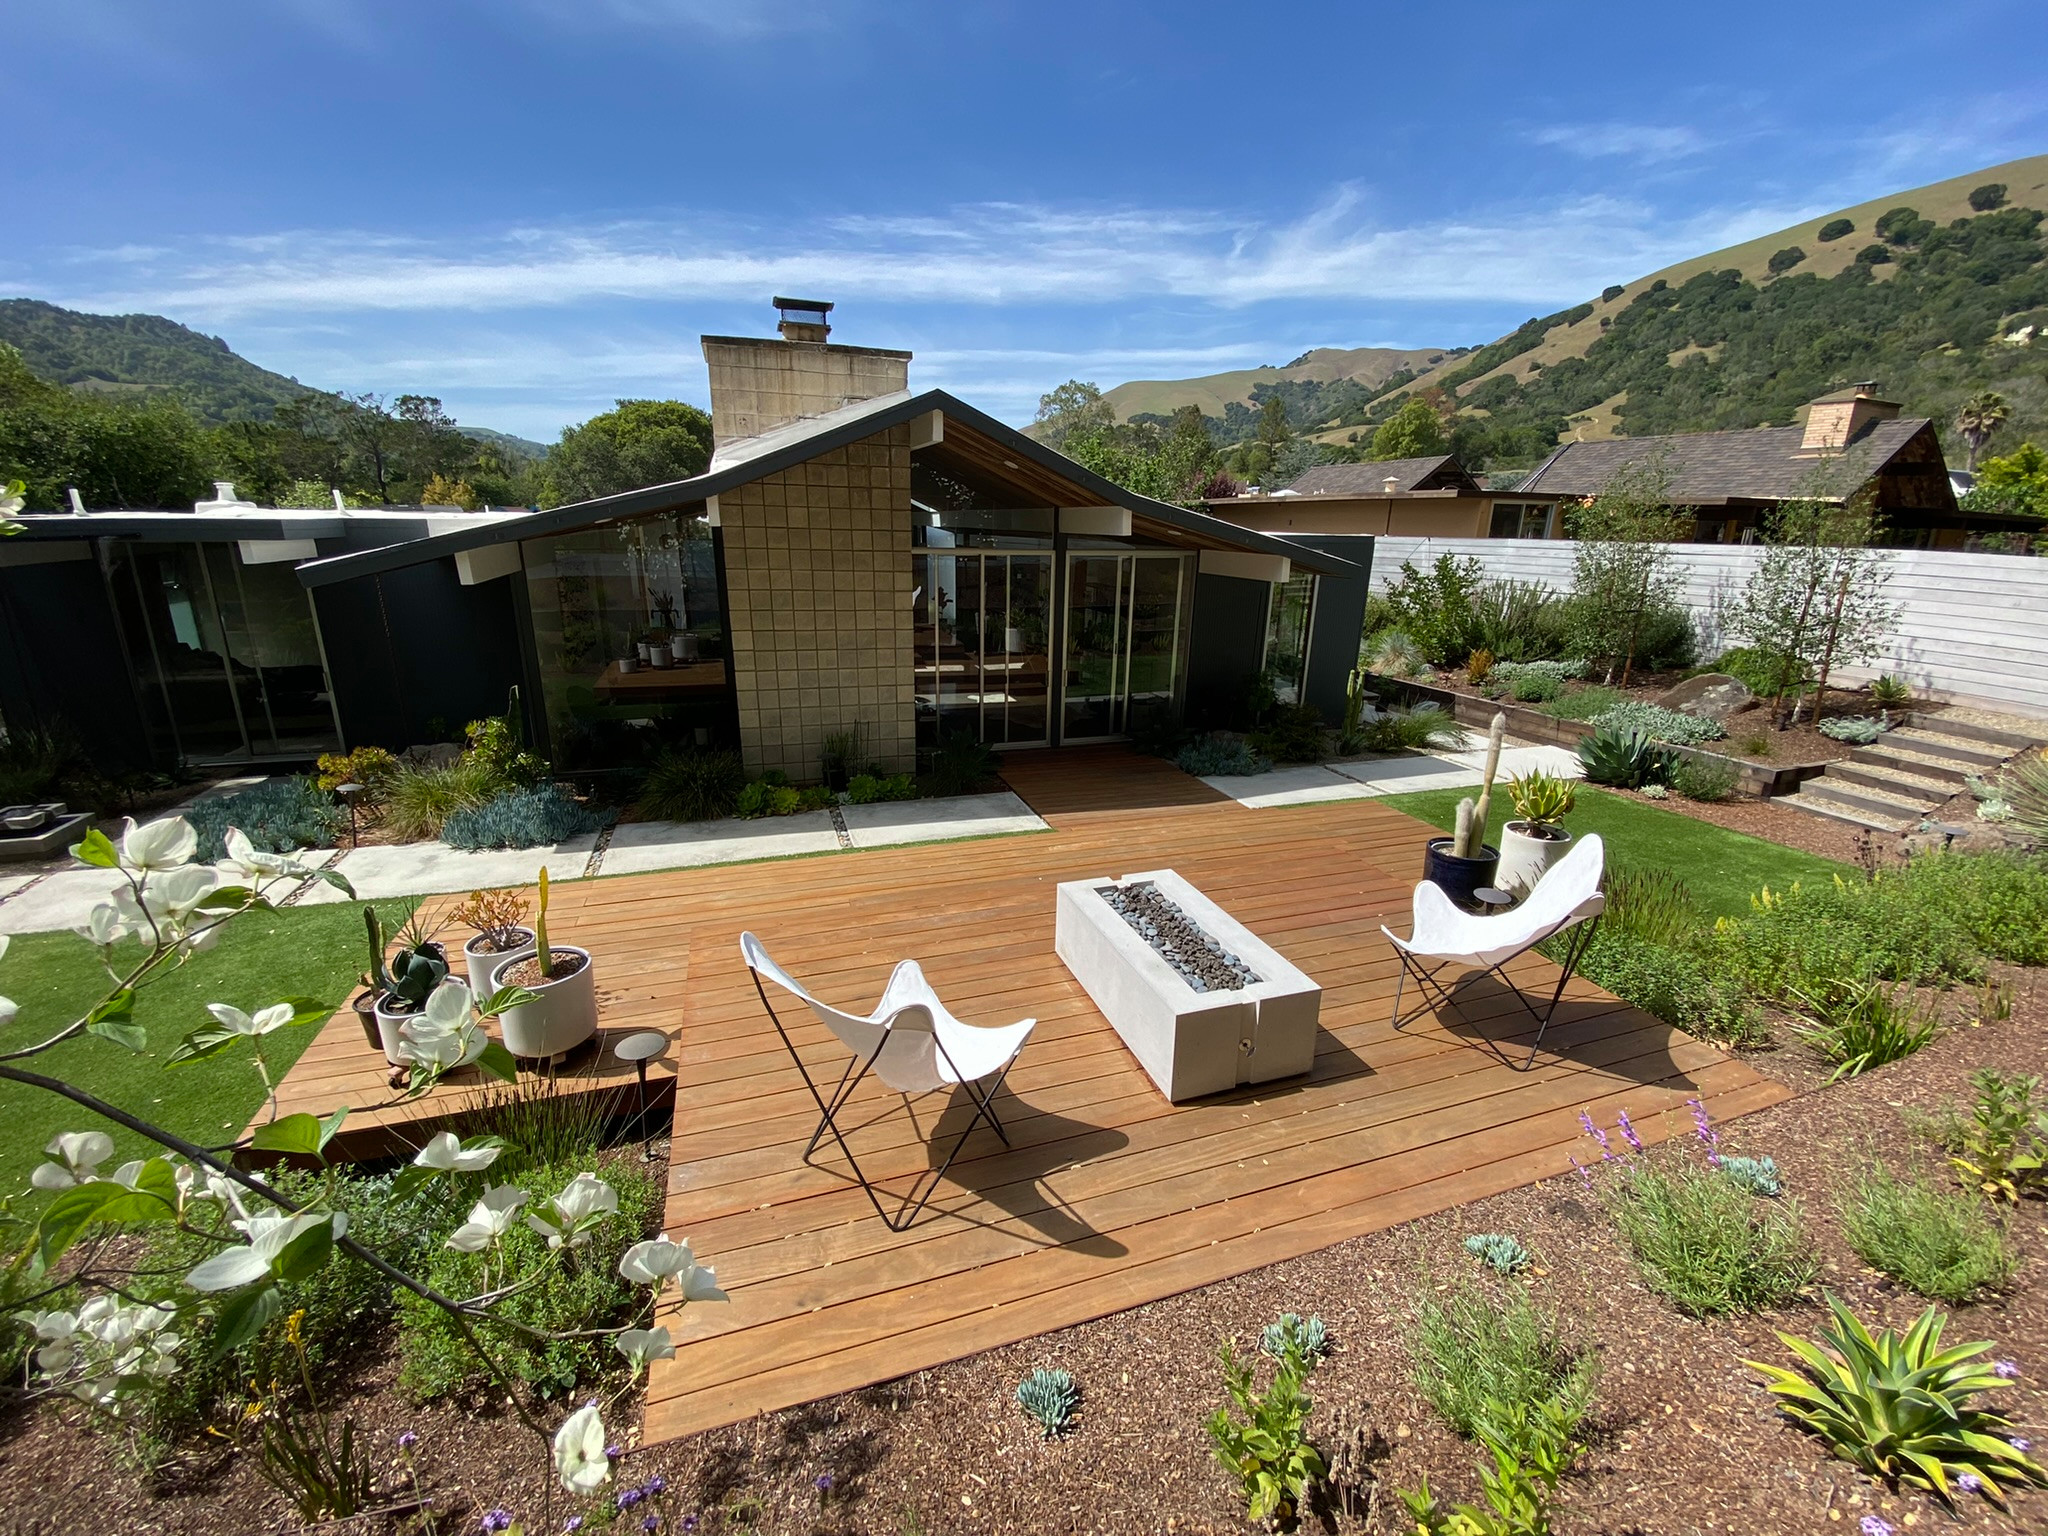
column 1201, row 1002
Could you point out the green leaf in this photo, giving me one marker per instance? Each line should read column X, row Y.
column 205, row 1041
column 305, row 1254
column 412, row 1178
column 338, row 880
column 300, row 1133
column 308, row 1010
column 499, row 1063
column 154, row 1197
column 330, row 1125
column 503, row 998
column 71, row 1213
column 96, row 849
column 241, row 1317
column 223, row 898
column 118, row 1006
column 133, row 1036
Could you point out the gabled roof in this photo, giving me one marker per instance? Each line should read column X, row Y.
column 1437, row 472
column 1713, row 468
column 781, row 449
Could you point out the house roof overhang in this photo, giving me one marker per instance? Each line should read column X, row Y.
column 1036, row 468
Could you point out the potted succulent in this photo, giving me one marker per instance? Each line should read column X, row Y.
column 404, row 982
column 558, row 1009
column 499, row 919
column 1536, row 838
column 1465, row 862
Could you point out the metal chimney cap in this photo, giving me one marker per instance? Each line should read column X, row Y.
column 808, row 306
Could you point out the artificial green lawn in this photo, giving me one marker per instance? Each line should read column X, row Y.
column 261, row 958
column 1723, row 869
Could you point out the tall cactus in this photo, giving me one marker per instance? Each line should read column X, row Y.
column 541, row 952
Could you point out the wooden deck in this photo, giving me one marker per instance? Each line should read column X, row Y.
column 1108, row 1197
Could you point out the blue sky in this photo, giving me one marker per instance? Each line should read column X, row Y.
column 530, row 207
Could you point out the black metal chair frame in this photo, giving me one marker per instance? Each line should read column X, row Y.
column 1426, row 981
column 850, row 1079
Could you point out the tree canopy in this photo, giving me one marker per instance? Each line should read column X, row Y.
column 637, row 443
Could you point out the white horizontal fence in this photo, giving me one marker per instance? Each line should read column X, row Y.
column 1971, row 628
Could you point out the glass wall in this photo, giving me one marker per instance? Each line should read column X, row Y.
column 226, row 656
column 630, row 637
column 1289, row 618
column 981, row 652
column 1125, row 642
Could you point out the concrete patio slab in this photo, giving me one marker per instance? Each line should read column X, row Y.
column 1406, row 775
column 59, row 901
column 1561, row 762
column 647, row 845
column 1297, row 784
column 929, row 821
column 423, row 869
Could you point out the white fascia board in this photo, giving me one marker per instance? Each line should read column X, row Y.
column 276, row 551
column 1096, row 522
column 487, row 562
column 1246, row 565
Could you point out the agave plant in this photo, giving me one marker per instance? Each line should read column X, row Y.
column 1901, row 1407
column 1624, row 759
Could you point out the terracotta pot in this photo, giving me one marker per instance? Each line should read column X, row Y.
column 562, row 1015
column 1526, row 856
column 1458, row 878
column 482, row 962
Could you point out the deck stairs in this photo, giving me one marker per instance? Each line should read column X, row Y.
column 1900, row 778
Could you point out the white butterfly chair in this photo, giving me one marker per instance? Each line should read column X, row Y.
column 1565, row 898
column 912, row 1044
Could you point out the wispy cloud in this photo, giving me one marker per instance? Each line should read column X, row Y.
column 991, row 254
column 1645, row 142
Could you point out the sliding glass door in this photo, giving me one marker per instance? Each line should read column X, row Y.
column 1126, row 623
column 981, row 659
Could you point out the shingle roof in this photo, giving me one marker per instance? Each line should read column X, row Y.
column 1758, row 464
column 1371, row 479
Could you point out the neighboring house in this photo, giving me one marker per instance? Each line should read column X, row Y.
column 1428, row 497
column 856, row 558
column 1852, row 443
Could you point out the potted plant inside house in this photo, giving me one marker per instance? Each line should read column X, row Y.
column 499, row 921
column 405, row 981
column 1536, row 838
column 559, row 1011
column 1465, row 862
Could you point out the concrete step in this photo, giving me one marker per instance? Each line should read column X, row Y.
column 1914, row 786
column 1971, row 754
column 1890, row 752
column 1967, row 730
column 1835, row 811
column 1863, row 798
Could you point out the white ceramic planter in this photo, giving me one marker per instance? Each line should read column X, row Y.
column 562, row 1015
column 388, row 1025
column 482, row 962
column 1525, row 859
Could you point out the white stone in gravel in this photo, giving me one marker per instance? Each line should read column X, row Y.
column 929, row 821
column 645, row 845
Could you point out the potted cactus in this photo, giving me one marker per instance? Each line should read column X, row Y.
column 405, row 982
column 1536, row 838
column 559, row 1010
column 1464, row 862
column 498, row 918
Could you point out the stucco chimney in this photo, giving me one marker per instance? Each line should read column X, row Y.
column 1834, row 421
column 759, row 384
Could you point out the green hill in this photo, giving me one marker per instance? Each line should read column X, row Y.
column 1370, row 367
column 140, row 355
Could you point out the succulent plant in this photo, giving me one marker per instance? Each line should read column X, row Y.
column 1309, row 1335
column 1050, row 1397
column 1498, row 1251
column 1624, row 759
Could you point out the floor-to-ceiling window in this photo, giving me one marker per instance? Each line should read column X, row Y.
column 1126, row 640
column 629, row 634
column 981, row 624
column 1290, row 617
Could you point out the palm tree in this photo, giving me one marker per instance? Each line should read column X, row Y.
column 1981, row 415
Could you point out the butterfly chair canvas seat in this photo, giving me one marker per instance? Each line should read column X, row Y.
column 1568, row 897
column 912, row 1043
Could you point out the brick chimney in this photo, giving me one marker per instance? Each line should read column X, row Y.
column 758, row 384
column 1834, row 421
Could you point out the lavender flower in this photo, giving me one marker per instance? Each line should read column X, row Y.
column 689, row 1522
column 614, row 1452
column 2004, row 1370
column 573, row 1523
column 1593, row 1130
column 2021, row 1444
column 1876, row 1525
column 498, row 1520
column 656, row 1485
column 1968, row 1482
column 650, row 1523
column 824, row 1482
column 630, row 1497
column 1585, row 1173
column 408, row 1440
column 1629, row 1133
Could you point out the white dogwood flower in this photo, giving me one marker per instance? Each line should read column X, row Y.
column 103, row 927
column 640, row 1345
column 262, row 1022
column 657, row 1261
column 568, row 1218
column 161, row 845
column 580, row 1460
column 76, row 1158
column 248, row 862
column 446, row 1154
column 268, row 1236
column 444, row 1035
column 489, row 1219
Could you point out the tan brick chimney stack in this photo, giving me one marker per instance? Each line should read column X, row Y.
column 1834, row 421
column 759, row 384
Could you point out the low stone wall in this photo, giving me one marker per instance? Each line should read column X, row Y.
column 1762, row 779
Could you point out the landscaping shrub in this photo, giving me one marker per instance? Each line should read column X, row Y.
column 420, row 800
column 1534, row 689
column 1857, row 730
column 278, row 816
column 1659, row 723
column 1890, row 690
column 1265, row 1444
column 1393, row 654
column 1518, row 621
column 1673, row 984
column 961, row 764
column 32, row 760
column 1477, row 665
column 1410, row 730
column 1756, row 670
column 691, row 785
column 1220, row 753
column 868, row 788
column 495, row 748
column 1668, row 638
column 1999, row 900
column 1559, row 672
column 1651, row 904
column 522, row 818
column 2000, row 1148
column 371, row 767
column 1624, row 759
column 1587, row 703
column 1707, row 1244
column 1932, row 1237
column 1704, row 778
column 1861, row 1025
column 1296, row 734
column 1433, row 608
column 1478, row 1348
column 581, row 1289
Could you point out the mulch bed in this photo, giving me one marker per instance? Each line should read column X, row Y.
column 1684, row 1440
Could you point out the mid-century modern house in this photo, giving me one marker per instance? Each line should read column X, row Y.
column 856, row 557
column 1851, row 443
column 1416, row 498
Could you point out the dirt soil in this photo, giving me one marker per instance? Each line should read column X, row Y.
column 1684, row 1440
